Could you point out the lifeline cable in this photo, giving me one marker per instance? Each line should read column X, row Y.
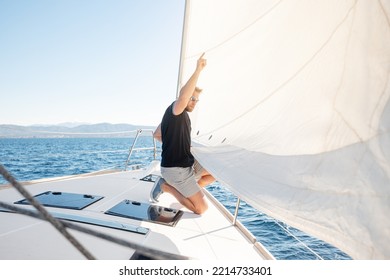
column 45, row 214
column 141, row 249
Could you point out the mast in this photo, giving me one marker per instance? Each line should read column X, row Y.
column 183, row 46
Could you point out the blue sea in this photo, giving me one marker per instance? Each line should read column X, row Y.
column 35, row 158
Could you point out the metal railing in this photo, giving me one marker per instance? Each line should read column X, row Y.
column 132, row 147
column 236, row 211
column 234, row 220
column 154, row 148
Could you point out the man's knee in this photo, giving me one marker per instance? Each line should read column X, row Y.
column 199, row 203
column 201, row 208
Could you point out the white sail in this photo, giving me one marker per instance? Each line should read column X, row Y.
column 295, row 114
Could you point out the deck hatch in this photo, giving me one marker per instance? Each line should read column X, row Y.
column 146, row 212
column 64, row 200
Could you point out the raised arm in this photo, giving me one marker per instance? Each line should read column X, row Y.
column 188, row 89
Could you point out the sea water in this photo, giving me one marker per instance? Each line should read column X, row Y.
column 35, row 158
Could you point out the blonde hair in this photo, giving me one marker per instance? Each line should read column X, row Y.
column 198, row 89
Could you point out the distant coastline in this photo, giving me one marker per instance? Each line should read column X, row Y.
column 70, row 130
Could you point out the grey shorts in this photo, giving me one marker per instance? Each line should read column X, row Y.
column 184, row 179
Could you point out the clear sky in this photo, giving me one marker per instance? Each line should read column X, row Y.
column 88, row 60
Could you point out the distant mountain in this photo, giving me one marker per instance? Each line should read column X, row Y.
column 71, row 124
column 69, row 131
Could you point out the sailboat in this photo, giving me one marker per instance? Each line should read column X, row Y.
column 108, row 215
column 294, row 119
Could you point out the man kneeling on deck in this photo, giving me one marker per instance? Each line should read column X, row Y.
column 183, row 175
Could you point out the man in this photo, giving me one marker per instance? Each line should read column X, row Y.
column 183, row 175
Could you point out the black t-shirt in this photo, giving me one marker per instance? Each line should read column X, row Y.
column 176, row 139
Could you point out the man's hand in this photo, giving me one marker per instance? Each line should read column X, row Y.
column 201, row 63
column 188, row 89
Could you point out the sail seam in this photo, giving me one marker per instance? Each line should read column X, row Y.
column 379, row 99
column 239, row 32
column 340, row 84
column 384, row 12
column 289, row 79
column 382, row 97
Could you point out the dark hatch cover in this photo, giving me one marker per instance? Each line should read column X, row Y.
column 64, row 200
column 146, row 212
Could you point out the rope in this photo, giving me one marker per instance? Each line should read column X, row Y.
column 152, row 253
column 62, row 225
column 45, row 214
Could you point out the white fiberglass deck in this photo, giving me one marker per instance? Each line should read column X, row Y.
column 207, row 236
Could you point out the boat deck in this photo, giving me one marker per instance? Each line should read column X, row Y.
column 207, row 236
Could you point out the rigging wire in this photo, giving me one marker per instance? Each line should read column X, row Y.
column 289, row 79
column 297, row 239
column 45, row 214
column 141, row 249
column 124, row 132
column 61, row 226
